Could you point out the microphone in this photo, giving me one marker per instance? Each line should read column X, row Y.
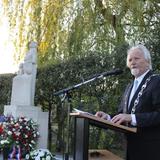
column 113, row 72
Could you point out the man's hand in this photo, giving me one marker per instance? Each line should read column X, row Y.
column 122, row 118
column 102, row 115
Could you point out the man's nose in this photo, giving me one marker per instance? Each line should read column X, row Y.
column 133, row 61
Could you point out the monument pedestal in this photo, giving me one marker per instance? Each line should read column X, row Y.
column 36, row 114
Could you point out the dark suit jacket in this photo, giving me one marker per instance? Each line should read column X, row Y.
column 145, row 144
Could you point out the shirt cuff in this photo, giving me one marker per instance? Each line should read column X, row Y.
column 133, row 121
column 108, row 117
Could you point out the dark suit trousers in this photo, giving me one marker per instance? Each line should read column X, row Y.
column 143, row 149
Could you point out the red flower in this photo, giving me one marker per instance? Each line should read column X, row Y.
column 22, row 131
column 1, row 129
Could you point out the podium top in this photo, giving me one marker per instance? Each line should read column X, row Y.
column 109, row 124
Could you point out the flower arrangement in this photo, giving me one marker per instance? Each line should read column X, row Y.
column 21, row 133
column 39, row 154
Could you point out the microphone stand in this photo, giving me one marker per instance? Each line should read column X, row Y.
column 67, row 98
column 66, row 91
column 96, row 77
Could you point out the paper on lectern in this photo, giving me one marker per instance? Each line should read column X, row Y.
column 79, row 111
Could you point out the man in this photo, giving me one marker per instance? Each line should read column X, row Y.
column 140, row 108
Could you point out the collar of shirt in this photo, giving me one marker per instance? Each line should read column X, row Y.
column 140, row 78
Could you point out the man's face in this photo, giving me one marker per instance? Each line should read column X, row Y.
column 137, row 63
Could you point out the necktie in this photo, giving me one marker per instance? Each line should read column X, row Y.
column 135, row 85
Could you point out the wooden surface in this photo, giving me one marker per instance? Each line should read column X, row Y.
column 108, row 123
column 102, row 155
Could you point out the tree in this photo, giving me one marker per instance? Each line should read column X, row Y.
column 75, row 27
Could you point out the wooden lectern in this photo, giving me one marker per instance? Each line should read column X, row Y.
column 81, row 133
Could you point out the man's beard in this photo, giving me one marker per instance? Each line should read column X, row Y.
column 135, row 72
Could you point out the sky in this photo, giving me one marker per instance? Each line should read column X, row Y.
column 6, row 47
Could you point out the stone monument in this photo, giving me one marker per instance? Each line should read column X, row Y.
column 22, row 96
column 23, row 87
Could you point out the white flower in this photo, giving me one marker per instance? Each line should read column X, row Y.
column 12, row 122
column 4, row 142
column 9, row 133
column 41, row 154
column 20, row 119
column 48, row 158
column 37, row 158
column 30, row 145
column 18, row 133
column 26, row 119
column 27, row 156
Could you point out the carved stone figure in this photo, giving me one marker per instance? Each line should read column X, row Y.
column 23, row 86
